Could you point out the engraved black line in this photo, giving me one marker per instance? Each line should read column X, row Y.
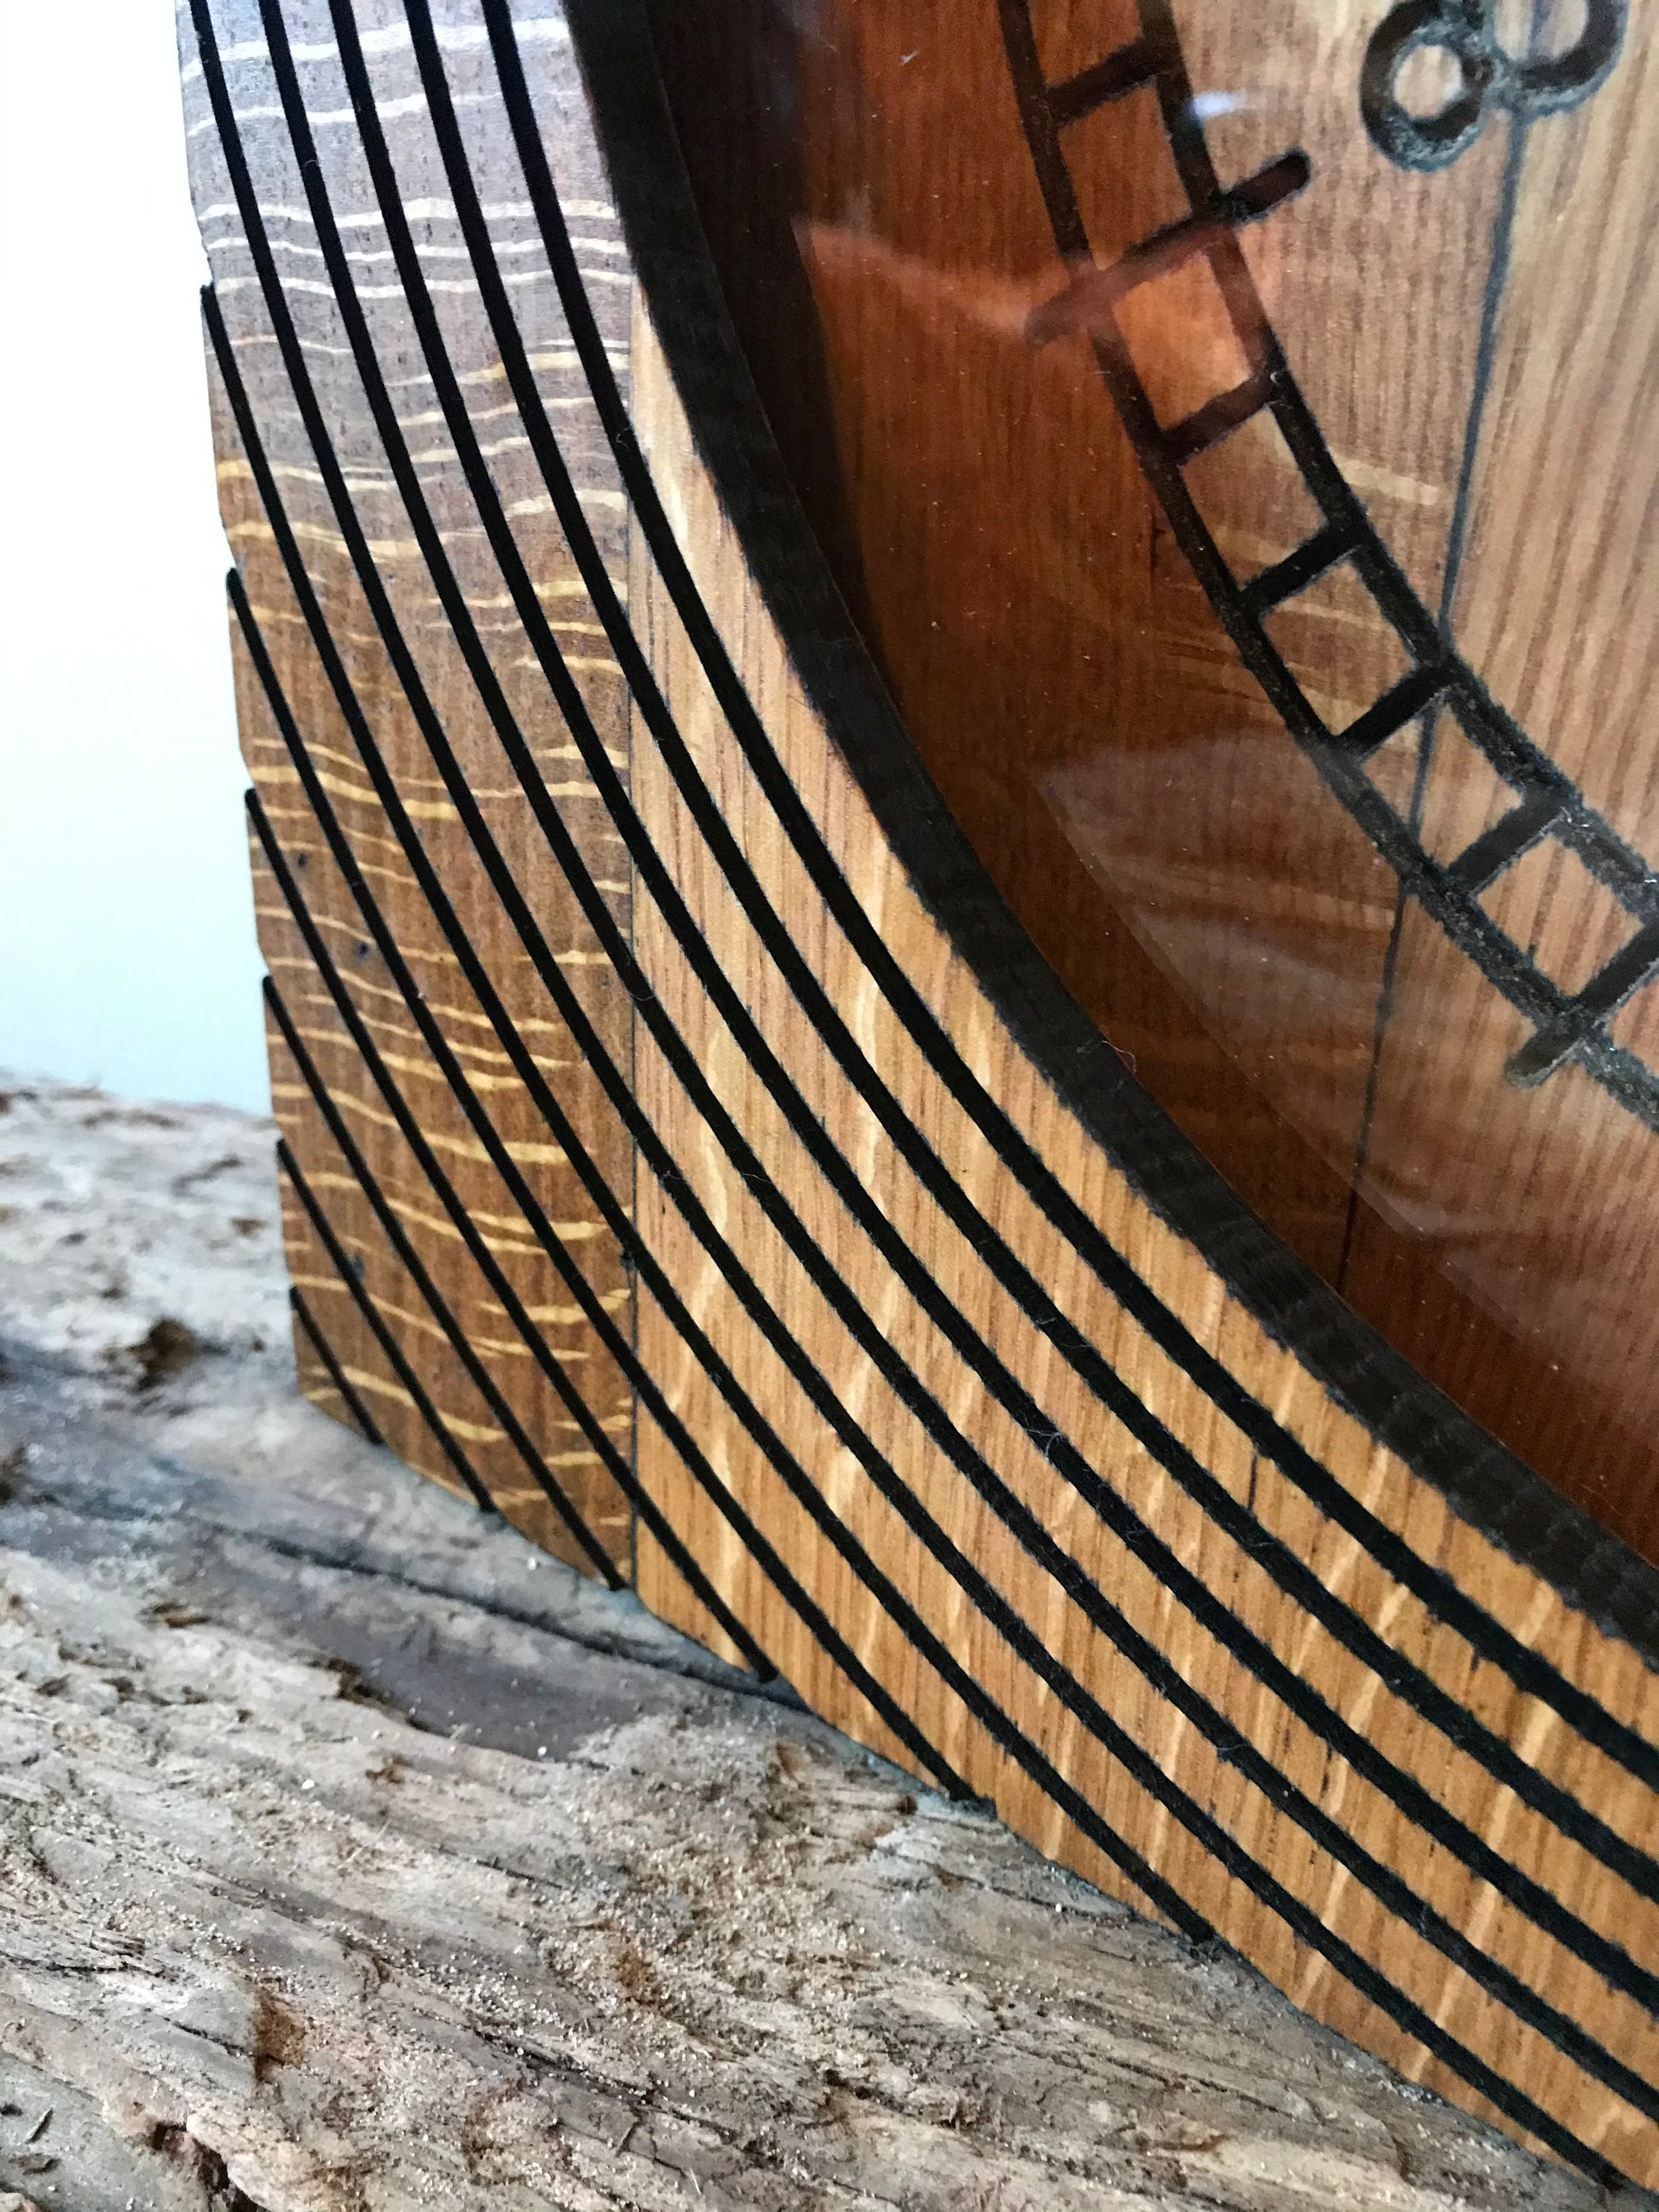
column 1500, row 846
column 1331, row 543
column 342, row 1382
column 1417, row 689
column 1550, row 1047
column 1093, row 289
column 1124, row 71
column 388, row 1343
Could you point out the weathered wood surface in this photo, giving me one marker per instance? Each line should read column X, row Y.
column 355, row 1855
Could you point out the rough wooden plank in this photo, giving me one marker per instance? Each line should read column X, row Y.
column 294, row 1916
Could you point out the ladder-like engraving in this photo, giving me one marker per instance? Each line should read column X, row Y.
column 1567, row 1027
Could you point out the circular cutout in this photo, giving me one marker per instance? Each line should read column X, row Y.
column 1428, row 80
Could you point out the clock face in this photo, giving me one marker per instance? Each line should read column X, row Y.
column 1232, row 429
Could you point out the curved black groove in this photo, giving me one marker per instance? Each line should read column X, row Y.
column 663, row 237
column 342, row 1382
column 1606, row 1958
column 341, row 1260
column 328, row 821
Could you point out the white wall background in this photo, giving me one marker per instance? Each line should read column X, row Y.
column 126, row 929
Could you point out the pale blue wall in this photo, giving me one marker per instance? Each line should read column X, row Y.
column 126, row 935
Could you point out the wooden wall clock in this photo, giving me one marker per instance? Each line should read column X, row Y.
column 949, row 721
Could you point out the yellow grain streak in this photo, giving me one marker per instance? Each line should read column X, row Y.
column 424, row 1069
column 567, row 1232
column 381, row 1026
column 563, row 1316
column 523, row 1152
column 470, row 1014
column 423, row 810
column 469, row 1433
